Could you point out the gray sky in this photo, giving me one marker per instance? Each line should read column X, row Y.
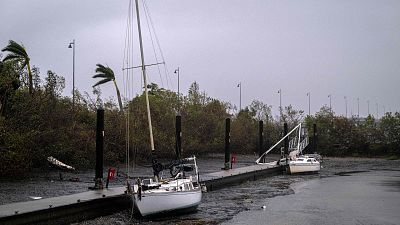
column 344, row 47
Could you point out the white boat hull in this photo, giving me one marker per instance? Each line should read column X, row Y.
column 156, row 203
column 304, row 167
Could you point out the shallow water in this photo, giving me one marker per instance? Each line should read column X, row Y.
column 228, row 204
column 370, row 197
column 218, row 206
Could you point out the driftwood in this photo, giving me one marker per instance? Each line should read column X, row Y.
column 59, row 164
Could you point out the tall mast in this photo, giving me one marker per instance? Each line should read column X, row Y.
column 144, row 76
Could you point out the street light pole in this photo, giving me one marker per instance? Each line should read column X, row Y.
column 280, row 105
column 358, row 107
column 330, row 102
column 177, row 72
column 309, row 103
column 72, row 45
column 345, row 101
column 240, row 95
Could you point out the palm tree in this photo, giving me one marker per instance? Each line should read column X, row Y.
column 18, row 53
column 108, row 75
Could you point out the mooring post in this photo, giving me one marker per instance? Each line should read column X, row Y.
column 227, row 143
column 286, row 141
column 314, row 138
column 99, row 149
column 178, row 137
column 261, row 138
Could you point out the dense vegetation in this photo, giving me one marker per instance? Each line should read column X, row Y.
column 340, row 136
column 36, row 121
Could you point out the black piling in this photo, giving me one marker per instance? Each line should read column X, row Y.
column 261, row 138
column 99, row 149
column 266, row 137
column 286, row 141
column 314, row 138
column 178, row 137
column 227, row 143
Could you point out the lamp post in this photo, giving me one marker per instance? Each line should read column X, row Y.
column 280, row 104
column 177, row 72
column 330, row 102
column 345, row 102
column 309, row 103
column 240, row 95
column 72, row 45
column 358, row 107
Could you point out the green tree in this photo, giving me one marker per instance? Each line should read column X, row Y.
column 324, row 121
column 162, row 103
column 260, row 110
column 9, row 82
column 54, row 85
column 194, row 95
column 390, row 127
column 203, row 126
column 18, row 54
column 244, row 132
column 292, row 116
column 202, row 122
column 108, row 75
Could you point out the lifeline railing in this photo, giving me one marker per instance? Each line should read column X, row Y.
column 295, row 143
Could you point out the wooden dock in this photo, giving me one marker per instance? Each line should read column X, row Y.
column 66, row 209
column 223, row 178
column 91, row 204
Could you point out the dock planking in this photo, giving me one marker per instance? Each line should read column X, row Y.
column 65, row 209
column 222, row 178
column 90, row 204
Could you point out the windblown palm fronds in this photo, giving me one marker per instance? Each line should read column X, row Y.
column 17, row 53
column 108, row 75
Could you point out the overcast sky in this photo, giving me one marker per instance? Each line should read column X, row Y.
column 343, row 48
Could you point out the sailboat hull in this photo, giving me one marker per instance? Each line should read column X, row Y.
column 295, row 167
column 158, row 203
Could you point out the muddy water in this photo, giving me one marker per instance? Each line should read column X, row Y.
column 371, row 197
column 217, row 207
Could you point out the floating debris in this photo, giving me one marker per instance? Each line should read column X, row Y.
column 58, row 163
column 35, row 197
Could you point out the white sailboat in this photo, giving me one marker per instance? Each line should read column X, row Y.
column 181, row 192
column 303, row 164
column 299, row 163
column 295, row 162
